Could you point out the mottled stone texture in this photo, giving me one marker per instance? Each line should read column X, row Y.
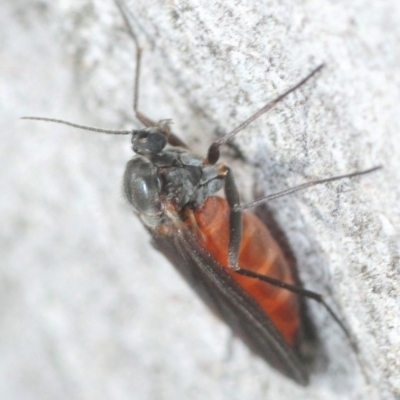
column 88, row 310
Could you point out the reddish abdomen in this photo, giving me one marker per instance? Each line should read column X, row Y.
column 260, row 253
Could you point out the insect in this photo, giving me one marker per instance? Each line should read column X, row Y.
column 225, row 252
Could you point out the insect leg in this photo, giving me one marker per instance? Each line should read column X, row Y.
column 235, row 219
column 300, row 291
column 213, row 150
column 235, row 235
column 305, row 186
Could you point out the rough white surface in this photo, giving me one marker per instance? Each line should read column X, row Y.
column 88, row 310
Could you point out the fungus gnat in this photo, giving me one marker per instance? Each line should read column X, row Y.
column 225, row 252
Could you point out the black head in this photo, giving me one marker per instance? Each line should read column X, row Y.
column 152, row 140
column 149, row 141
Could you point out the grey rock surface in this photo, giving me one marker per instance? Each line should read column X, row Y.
column 88, row 310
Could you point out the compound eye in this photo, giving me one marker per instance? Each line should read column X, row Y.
column 156, row 142
column 146, row 143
